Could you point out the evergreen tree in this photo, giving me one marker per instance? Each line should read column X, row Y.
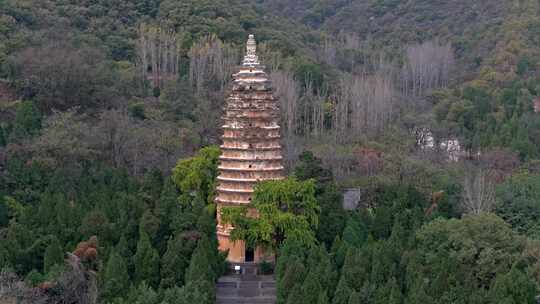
column 4, row 216
column 123, row 249
column 290, row 251
column 388, row 293
column 3, row 137
column 175, row 261
column 311, row 288
column 143, row 294
column 309, row 167
column 166, row 208
column 323, row 298
column 127, row 255
column 152, row 184
column 418, row 294
column 116, row 278
column 188, row 294
column 27, row 120
column 294, row 274
column 150, row 224
column 522, row 144
column 54, row 255
column 357, row 267
column 355, row 298
column 296, row 296
column 343, row 292
column 332, row 217
column 200, row 266
column 322, row 268
column 146, row 261
column 395, row 296
column 147, row 7
column 339, row 252
column 354, row 233
column 399, row 235
column 201, row 291
column 513, row 288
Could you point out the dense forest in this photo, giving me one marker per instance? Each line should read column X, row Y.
column 110, row 120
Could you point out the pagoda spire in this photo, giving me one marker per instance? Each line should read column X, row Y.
column 251, row 59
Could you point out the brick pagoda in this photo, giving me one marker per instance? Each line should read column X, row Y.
column 251, row 150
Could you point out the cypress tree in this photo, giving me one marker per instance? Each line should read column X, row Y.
column 201, row 291
column 296, row 296
column 354, row 233
column 54, row 255
column 116, row 278
column 339, row 252
column 291, row 250
column 354, row 298
column 293, row 275
column 123, row 249
column 146, row 261
column 323, row 298
column 321, row 263
column 395, row 296
column 4, row 216
column 343, row 292
column 3, row 139
column 357, row 267
column 146, row 294
column 418, row 295
column 175, row 262
column 311, row 288
column 167, row 206
column 189, row 294
column 200, row 267
column 150, row 224
column 27, row 119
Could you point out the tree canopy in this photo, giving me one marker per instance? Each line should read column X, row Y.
column 279, row 210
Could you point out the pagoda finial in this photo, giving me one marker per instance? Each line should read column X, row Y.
column 251, row 58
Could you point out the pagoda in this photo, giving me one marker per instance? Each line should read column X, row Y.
column 251, row 149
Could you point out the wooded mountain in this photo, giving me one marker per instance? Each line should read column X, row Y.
column 110, row 110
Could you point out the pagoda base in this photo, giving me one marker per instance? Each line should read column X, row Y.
column 238, row 253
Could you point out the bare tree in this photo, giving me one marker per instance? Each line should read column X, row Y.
column 335, row 50
column 211, row 65
column 287, row 90
column 211, row 62
column 478, row 192
column 273, row 59
column 428, row 66
column 138, row 145
column 364, row 105
column 501, row 163
column 329, row 51
column 77, row 284
column 64, row 138
column 14, row 290
column 113, row 135
column 158, row 51
column 59, row 76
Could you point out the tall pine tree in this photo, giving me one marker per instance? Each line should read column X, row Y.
column 146, row 261
column 116, row 278
column 54, row 255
